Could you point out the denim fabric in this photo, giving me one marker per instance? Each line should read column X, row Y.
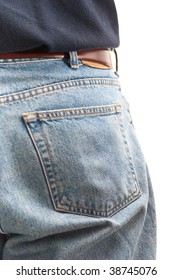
column 73, row 181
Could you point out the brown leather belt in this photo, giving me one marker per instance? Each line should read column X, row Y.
column 98, row 58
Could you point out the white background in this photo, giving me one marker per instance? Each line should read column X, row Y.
column 146, row 75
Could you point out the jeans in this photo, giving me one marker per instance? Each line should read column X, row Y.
column 74, row 183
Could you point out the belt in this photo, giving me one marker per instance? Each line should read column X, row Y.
column 98, row 58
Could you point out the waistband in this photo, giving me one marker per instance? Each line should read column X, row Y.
column 98, row 58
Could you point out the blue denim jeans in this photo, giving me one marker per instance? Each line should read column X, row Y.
column 73, row 181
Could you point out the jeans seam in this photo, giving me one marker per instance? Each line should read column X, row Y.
column 136, row 190
column 52, row 88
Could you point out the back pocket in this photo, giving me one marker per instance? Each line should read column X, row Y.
column 85, row 158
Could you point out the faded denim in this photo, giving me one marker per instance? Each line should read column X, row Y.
column 73, row 181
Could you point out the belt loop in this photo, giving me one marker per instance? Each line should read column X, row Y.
column 74, row 63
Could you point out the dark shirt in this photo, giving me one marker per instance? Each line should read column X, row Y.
column 57, row 25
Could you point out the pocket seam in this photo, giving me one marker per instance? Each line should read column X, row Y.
column 128, row 153
column 70, row 112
